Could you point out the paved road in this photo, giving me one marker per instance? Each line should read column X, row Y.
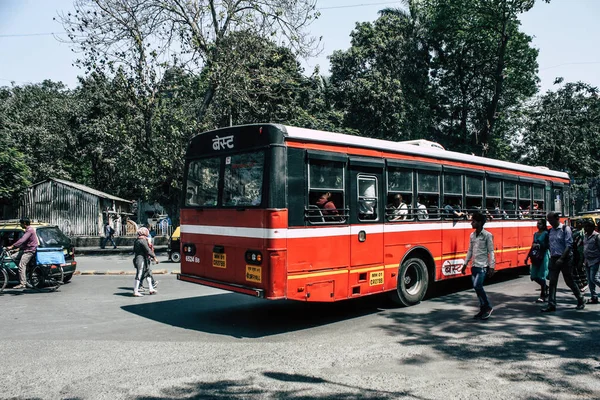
column 93, row 340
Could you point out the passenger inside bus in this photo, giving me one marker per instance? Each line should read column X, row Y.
column 327, row 206
column 509, row 208
column 397, row 209
column 452, row 208
column 422, row 209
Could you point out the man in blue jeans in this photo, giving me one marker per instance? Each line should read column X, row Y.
column 481, row 251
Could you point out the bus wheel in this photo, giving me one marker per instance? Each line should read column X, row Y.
column 413, row 279
column 175, row 257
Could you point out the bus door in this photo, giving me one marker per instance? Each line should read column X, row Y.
column 367, row 211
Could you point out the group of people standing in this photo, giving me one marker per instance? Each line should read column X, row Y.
column 554, row 250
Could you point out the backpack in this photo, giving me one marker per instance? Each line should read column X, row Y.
column 111, row 230
column 536, row 253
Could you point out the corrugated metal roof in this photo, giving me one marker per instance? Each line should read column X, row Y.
column 89, row 190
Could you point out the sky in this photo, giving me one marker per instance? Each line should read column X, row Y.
column 564, row 31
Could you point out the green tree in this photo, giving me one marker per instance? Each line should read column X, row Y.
column 38, row 121
column 146, row 37
column 455, row 72
column 482, row 69
column 381, row 82
column 562, row 131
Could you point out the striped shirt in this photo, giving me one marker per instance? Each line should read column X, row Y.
column 481, row 250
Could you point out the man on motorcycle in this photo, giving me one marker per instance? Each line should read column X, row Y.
column 28, row 246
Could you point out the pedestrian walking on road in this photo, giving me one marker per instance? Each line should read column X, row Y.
column 579, row 271
column 108, row 235
column 540, row 256
column 141, row 252
column 561, row 256
column 591, row 252
column 481, row 252
column 148, row 266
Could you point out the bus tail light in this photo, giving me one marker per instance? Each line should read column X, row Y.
column 253, row 257
column 189, row 249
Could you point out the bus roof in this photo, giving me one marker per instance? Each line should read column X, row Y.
column 409, row 148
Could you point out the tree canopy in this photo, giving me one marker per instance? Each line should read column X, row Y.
column 157, row 72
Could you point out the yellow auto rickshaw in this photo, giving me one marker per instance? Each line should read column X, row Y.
column 174, row 249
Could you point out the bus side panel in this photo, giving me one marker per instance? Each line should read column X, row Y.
column 318, row 264
column 455, row 240
column 525, row 240
column 312, row 252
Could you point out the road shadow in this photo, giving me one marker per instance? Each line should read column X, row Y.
column 516, row 334
column 297, row 387
column 243, row 316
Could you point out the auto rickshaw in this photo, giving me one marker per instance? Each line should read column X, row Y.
column 174, row 249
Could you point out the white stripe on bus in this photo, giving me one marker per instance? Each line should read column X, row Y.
column 331, row 231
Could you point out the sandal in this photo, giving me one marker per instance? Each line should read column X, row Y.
column 137, row 294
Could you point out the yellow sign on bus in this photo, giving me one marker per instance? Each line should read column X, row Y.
column 219, row 260
column 253, row 273
column 376, row 278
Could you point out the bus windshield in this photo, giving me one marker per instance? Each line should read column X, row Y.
column 242, row 181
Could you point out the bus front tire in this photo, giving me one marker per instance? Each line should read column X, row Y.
column 413, row 280
column 175, row 257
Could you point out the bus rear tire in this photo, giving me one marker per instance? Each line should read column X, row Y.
column 413, row 281
column 175, row 257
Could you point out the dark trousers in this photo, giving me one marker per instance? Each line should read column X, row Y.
column 554, row 270
column 106, row 239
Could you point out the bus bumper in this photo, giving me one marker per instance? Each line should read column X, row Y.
column 221, row 285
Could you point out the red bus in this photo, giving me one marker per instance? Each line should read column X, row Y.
column 254, row 218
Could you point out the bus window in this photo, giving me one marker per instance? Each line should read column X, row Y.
column 326, row 176
column 428, row 190
column 557, row 198
column 367, row 198
column 243, row 179
column 400, row 183
column 493, row 195
column 524, row 208
column 453, row 190
column 509, row 205
column 474, row 193
column 326, row 192
column 538, row 209
column 202, row 185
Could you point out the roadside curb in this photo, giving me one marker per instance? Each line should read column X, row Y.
column 132, row 272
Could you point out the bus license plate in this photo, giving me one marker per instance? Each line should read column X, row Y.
column 376, row 278
column 219, row 260
column 253, row 274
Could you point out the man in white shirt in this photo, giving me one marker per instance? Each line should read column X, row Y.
column 481, row 251
column 399, row 208
column 422, row 210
